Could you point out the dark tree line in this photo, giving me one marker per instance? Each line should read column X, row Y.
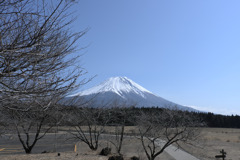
column 221, row 121
column 206, row 119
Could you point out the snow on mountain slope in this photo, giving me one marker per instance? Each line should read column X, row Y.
column 124, row 91
column 118, row 85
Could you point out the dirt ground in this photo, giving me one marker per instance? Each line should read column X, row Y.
column 209, row 144
column 131, row 147
column 213, row 140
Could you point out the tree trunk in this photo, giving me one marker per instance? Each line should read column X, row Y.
column 28, row 150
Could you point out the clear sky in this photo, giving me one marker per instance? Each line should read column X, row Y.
column 186, row 51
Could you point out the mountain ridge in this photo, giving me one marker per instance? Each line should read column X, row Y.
column 124, row 91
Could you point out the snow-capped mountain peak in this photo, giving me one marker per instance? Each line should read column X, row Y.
column 118, row 85
column 123, row 91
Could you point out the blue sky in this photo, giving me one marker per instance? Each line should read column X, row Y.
column 185, row 51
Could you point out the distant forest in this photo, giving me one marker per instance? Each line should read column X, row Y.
column 209, row 119
column 130, row 116
column 221, row 121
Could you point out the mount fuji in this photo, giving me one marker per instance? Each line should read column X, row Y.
column 123, row 91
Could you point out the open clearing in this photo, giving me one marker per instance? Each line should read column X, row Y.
column 210, row 142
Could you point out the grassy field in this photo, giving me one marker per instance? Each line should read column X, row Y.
column 212, row 140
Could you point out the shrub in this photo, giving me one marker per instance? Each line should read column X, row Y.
column 115, row 158
column 134, row 158
column 105, row 151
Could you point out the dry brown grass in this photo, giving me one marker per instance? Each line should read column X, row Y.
column 107, row 129
column 54, row 156
column 212, row 140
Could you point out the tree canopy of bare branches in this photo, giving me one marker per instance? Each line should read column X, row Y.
column 119, row 116
column 159, row 130
column 35, row 44
column 38, row 61
column 31, row 126
column 89, row 124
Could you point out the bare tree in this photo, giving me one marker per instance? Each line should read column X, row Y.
column 3, row 123
column 118, row 139
column 119, row 117
column 89, row 124
column 159, row 130
column 38, row 66
column 35, row 44
column 32, row 125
